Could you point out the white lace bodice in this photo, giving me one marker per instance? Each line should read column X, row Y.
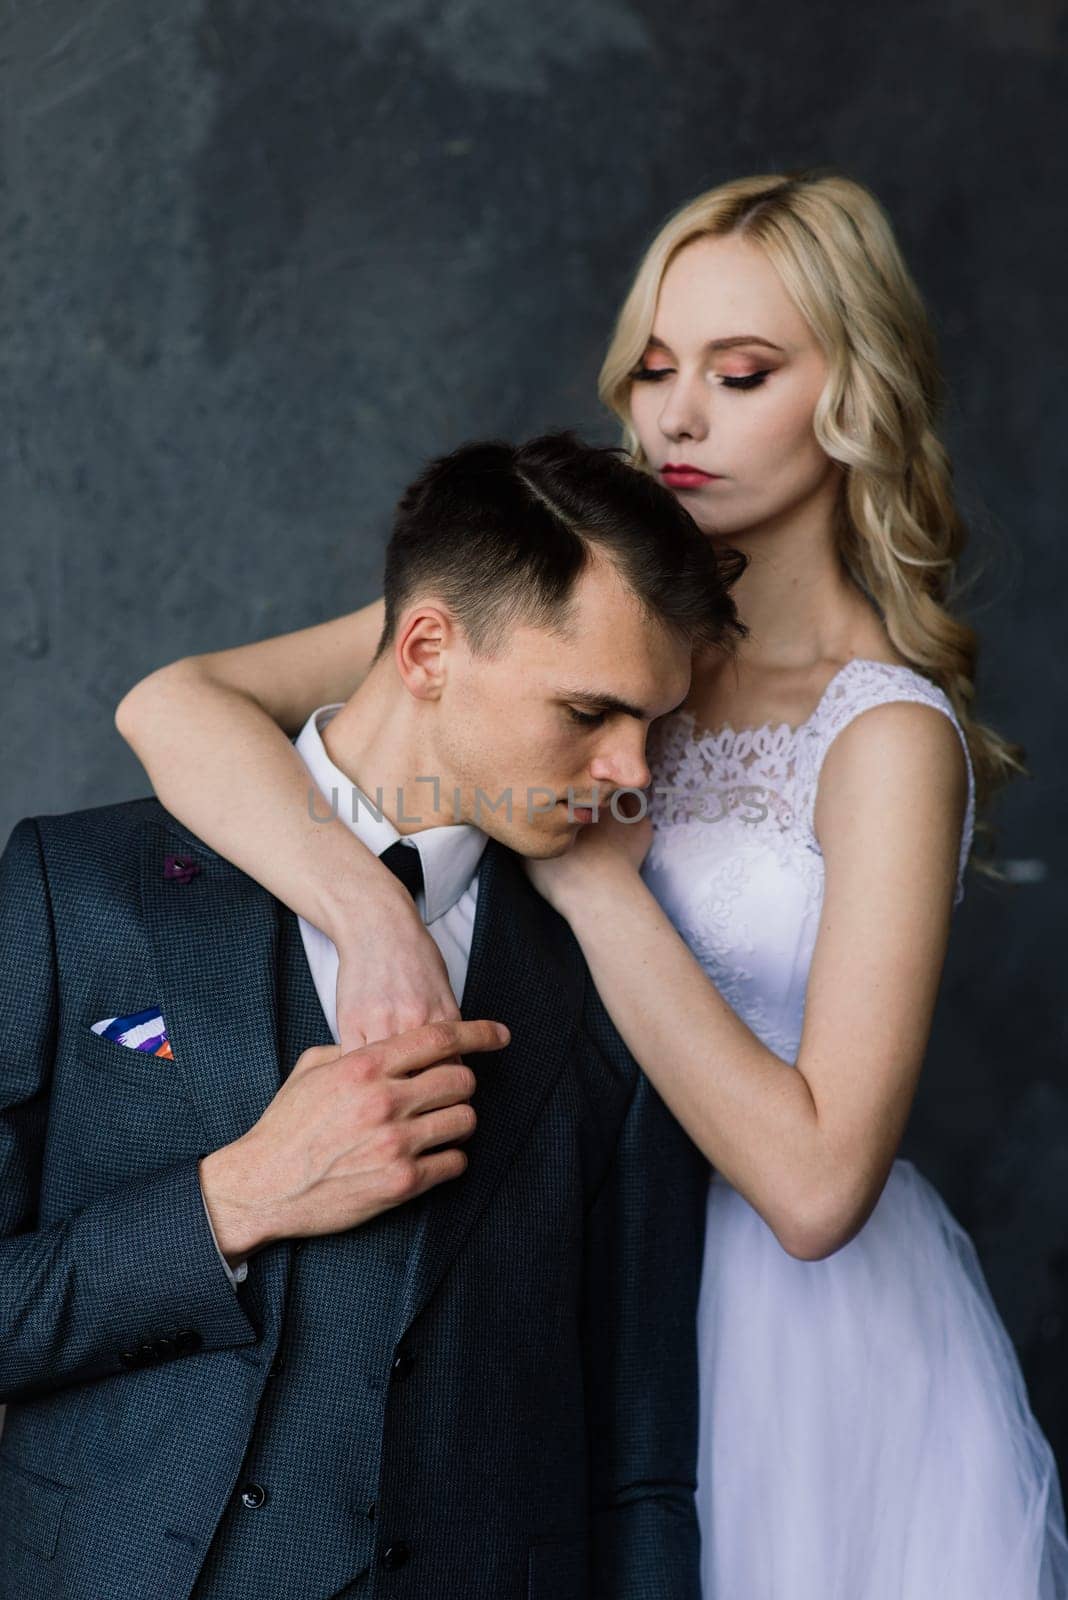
column 735, row 861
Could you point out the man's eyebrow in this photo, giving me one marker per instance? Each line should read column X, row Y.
column 612, row 703
column 725, row 344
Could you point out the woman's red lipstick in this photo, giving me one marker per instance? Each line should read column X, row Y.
column 680, row 475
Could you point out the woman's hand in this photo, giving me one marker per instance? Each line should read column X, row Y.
column 602, row 847
column 391, row 976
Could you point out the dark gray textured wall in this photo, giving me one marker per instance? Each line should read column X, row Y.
column 260, row 260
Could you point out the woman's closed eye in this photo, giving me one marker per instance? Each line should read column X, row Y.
column 749, row 380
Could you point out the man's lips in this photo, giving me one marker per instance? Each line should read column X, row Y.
column 585, row 813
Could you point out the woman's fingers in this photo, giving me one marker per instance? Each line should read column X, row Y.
column 393, row 981
column 379, row 1022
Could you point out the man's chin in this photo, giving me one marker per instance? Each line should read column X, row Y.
column 540, row 844
column 549, row 849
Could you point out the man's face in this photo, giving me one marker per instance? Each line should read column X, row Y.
column 552, row 718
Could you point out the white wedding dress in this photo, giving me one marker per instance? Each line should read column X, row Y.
column 865, row 1432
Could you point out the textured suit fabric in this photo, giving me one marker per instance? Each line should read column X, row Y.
column 505, row 1368
column 317, row 1439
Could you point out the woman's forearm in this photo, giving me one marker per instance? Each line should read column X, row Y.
column 220, row 764
column 751, row 1113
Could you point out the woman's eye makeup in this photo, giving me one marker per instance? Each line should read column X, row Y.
column 748, row 380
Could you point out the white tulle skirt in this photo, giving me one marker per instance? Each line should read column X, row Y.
column 865, row 1431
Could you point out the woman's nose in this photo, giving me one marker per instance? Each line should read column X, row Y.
column 683, row 415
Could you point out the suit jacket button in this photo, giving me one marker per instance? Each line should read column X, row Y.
column 395, row 1554
column 276, row 1366
column 371, row 1512
column 403, row 1362
column 187, row 1341
column 165, row 1349
column 130, row 1359
column 149, row 1351
column 253, row 1495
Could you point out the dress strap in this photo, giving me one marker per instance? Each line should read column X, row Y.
column 857, row 687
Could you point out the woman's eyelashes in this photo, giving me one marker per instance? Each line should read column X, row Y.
column 749, row 380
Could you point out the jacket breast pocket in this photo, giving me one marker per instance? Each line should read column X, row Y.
column 558, row 1569
column 31, row 1508
column 121, row 1063
column 127, row 1112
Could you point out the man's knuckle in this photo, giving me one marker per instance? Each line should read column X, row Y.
column 466, row 1082
column 403, row 1178
column 441, row 1035
column 366, row 1064
column 379, row 1103
column 466, row 1118
column 392, row 1146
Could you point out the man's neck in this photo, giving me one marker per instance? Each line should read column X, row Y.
column 376, row 742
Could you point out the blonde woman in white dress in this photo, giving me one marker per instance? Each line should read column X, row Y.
column 770, row 939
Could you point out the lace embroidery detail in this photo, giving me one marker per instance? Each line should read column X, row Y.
column 735, row 861
column 744, row 776
column 771, row 773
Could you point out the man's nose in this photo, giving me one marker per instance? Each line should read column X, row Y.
column 622, row 767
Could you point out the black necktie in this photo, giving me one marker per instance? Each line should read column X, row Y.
column 405, row 863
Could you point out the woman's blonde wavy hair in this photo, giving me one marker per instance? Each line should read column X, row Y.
column 899, row 530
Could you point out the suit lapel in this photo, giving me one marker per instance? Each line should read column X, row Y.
column 215, row 945
column 525, row 970
column 214, row 942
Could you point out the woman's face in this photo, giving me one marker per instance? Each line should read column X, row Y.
column 727, row 386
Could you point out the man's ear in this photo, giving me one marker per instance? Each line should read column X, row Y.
column 426, row 633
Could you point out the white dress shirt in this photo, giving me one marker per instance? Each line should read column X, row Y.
column 450, row 855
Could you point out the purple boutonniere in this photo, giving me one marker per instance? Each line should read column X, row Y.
column 180, row 868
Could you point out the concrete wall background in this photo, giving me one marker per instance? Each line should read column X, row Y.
column 259, row 260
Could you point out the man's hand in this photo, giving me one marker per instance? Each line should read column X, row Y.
column 348, row 1136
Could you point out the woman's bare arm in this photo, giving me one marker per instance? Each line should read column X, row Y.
column 286, row 677
column 214, row 734
column 810, row 1145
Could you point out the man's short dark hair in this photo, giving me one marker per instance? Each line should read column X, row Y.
column 500, row 532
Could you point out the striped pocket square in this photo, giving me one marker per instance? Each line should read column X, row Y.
column 143, row 1030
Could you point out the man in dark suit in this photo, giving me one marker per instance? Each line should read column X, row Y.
column 278, row 1321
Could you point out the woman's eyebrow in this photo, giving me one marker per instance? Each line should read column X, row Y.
column 725, row 344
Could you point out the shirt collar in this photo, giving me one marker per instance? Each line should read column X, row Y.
column 450, row 854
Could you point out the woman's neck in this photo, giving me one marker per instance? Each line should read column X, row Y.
column 806, row 618
column 797, row 600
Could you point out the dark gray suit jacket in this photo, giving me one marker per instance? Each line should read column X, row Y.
column 541, row 1308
